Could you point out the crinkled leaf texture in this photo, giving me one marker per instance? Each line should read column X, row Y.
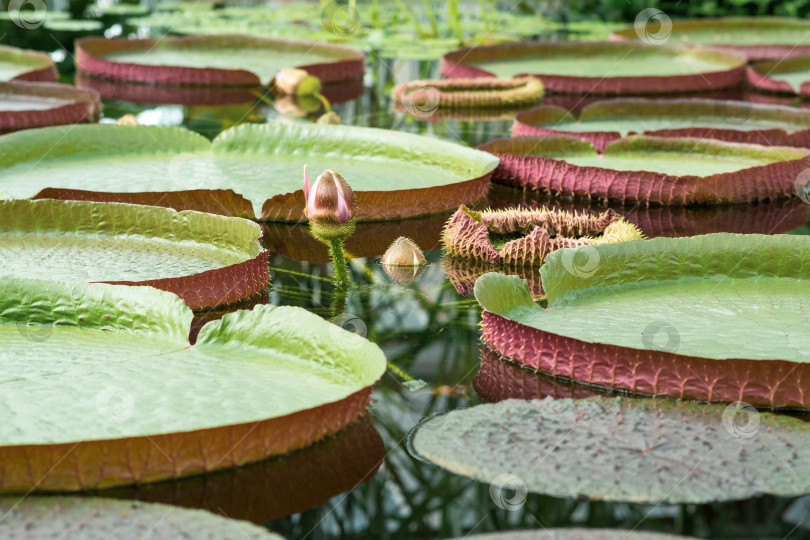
column 205, row 259
column 719, row 317
column 150, row 407
column 252, row 171
column 40, row 517
column 621, row 449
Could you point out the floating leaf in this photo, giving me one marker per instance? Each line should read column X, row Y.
column 247, row 171
column 634, row 316
column 24, row 65
column 576, row 534
column 758, row 38
column 422, row 98
column 650, row 169
column 41, row 517
column 526, row 237
column 621, row 449
column 213, row 60
column 788, row 76
column 601, row 67
column 205, row 259
column 602, row 122
column 31, row 104
column 150, row 407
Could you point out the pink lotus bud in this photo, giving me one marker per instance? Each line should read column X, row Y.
column 127, row 120
column 297, row 82
column 330, row 199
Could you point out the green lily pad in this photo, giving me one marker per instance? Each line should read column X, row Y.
column 605, row 121
column 248, row 171
column 789, row 75
column 205, row 259
column 41, row 517
column 757, row 37
column 33, row 104
column 150, row 407
column 601, row 67
column 634, row 315
column 621, row 449
column 661, row 170
column 23, row 65
column 227, row 60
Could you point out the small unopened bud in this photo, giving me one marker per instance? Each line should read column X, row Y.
column 403, row 252
column 329, row 118
column 297, row 82
column 330, row 200
column 127, row 120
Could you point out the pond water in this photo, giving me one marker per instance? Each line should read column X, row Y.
column 429, row 332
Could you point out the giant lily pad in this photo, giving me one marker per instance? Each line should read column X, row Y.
column 605, row 121
column 248, row 171
column 227, row 60
column 27, row 105
column 24, row 65
column 789, row 76
column 205, row 259
column 601, row 67
column 63, row 517
column 634, row 316
column 622, row 449
column 426, row 96
column 650, row 169
column 150, row 407
column 757, row 38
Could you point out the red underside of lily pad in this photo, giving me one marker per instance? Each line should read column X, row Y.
column 520, row 167
column 219, row 287
column 758, row 76
column 776, row 384
column 84, row 105
column 91, row 51
column 136, row 460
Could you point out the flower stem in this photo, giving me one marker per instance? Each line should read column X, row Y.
column 338, row 260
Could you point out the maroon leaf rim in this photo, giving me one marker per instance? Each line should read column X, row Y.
column 752, row 52
column 462, row 273
column 46, row 72
column 543, row 119
column 90, row 52
column 84, row 107
column 456, row 64
column 137, row 460
column 518, row 167
column 758, row 75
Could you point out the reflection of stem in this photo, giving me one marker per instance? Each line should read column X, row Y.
column 264, row 97
column 324, row 101
column 338, row 260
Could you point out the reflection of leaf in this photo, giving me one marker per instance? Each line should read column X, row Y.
column 38, row 517
column 624, row 449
